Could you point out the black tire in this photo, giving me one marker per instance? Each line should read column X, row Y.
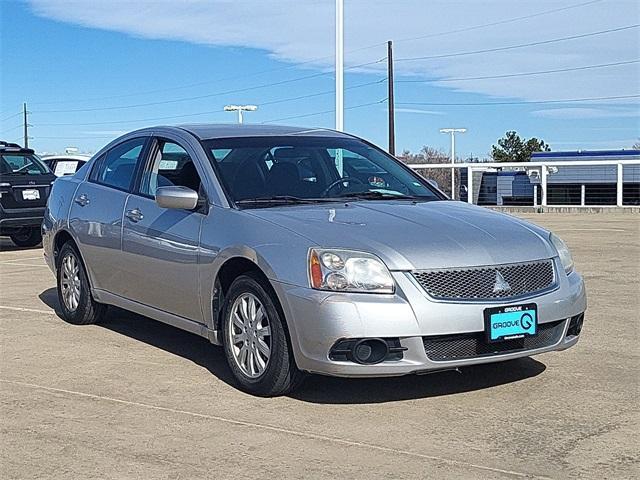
column 87, row 310
column 30, row 237
column 281, row 374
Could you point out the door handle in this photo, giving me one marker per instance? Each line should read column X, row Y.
column 134, row 215
column 82, row 199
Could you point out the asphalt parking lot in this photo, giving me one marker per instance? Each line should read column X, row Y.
column 133, row 398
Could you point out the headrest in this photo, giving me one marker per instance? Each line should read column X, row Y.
column 291, row 153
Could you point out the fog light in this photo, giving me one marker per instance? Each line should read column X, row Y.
column 370, row 351
column 575, row 325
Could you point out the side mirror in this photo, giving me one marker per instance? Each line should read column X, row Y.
column 176, row 197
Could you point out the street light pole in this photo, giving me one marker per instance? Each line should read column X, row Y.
column 452, row 132
column 240, row 109
column 339, row 65
column 390, row 99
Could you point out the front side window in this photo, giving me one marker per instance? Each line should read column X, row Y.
column 117, row 168
column 169, row 165
column 312, row 168
column 21, row 164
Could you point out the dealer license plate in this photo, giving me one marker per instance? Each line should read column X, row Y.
column 509, row 323
column 31, row 194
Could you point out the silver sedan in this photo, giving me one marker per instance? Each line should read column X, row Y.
column 304, row 251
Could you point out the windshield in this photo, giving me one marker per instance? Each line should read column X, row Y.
column 311, row 169
column 24, row 164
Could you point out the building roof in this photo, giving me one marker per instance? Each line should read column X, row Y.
column 587, row 154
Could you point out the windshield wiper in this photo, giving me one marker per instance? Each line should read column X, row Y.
column 281, row 200
column 375, row 195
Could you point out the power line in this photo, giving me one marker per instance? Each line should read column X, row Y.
column 209, row 95
column 318, row 94
column 137, row 120
column 91, row 137
column 324, row 112
column 313, row 60
column 210, row 112
column 209, row 82
column 523, row 74
column 523, row 102
column 499, row 22
column 12, row 128
column 521, row 45
column 10, row 117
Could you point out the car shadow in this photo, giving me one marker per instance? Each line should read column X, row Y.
column 317, row 388
column 6, row 245
column 335, row 390
column 165, row 337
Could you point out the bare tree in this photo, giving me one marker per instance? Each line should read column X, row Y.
column 426, row 155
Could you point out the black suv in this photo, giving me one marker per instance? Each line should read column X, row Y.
column 25, row 183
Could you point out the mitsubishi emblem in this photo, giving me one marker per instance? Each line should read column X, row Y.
column 501, row 284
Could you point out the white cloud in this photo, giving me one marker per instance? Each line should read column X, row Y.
column 303, row 30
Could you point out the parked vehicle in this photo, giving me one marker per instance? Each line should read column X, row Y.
column 260, row 239
column 25, row 183
column 67, row 164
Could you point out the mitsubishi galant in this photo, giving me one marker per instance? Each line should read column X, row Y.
column 304, row 251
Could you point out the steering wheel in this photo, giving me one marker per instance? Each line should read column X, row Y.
column 341, row 182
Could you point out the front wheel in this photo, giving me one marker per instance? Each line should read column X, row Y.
column 30, row 237
column 255, row 340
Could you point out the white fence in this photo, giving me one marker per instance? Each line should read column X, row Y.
column 574, row 183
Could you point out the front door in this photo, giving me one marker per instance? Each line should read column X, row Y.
column 161, row 246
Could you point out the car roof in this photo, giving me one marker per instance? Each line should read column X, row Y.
column 208, row 131
column 8, row 147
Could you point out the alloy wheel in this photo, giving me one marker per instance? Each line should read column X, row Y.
column 249, row 335
column 70, row 282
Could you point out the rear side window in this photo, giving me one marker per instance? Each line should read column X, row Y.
column 118, row 166
column 22, row 164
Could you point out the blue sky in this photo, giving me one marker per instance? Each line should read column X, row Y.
column 90, row 71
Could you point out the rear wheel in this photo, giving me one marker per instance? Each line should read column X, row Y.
column 74, row 294
column 255, row 341
column 29, row 237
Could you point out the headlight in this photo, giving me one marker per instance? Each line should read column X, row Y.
column 563, row 252
column 348, row 271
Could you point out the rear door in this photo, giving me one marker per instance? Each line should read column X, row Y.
column 160, row 245
column 97, row 211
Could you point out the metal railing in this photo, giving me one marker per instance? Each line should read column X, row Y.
column 562, row 183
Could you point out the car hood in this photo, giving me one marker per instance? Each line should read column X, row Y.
column 422, row 235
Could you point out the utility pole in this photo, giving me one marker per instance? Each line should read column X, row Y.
column 390, row 100
column 25, row 125
column 339, row 65
column 453, row 132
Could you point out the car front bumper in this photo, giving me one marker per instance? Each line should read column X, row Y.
column 318, row 319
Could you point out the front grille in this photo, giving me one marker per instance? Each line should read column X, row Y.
column 483, row 283
column 444, row 348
